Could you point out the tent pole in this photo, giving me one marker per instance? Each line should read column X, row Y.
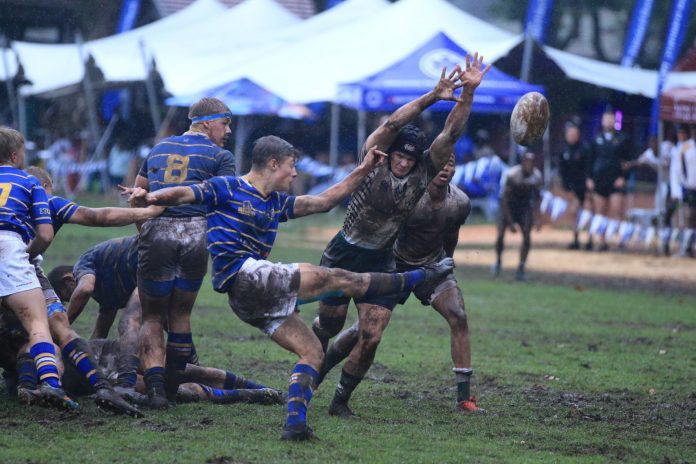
column 527, row 57
column 660, row 174
column 547, row 159
column 150, row 89
column 362, row 129
column 8, row 81
column 333, row 142
column 89, row 94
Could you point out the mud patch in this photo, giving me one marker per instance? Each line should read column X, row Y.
column 154, row 426
column 223, row 460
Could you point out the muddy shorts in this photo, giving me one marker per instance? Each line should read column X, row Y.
column 172, row 254
column 522, row 215
column 425, row 292
column 343, row 255
column 17, row 274
column 264, row 294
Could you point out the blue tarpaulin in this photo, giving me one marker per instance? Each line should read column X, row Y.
column 245, row 98
column 417, row 74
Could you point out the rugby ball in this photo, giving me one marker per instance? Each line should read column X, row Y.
column 529, row 118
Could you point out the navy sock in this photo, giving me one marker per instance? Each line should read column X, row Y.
column 300, row 393
column 128, row 371
column 154, row 379
column 390, row 284
column 179, row 347
column 44, row 355
column 79, row 354
column 233, row 381
column 463, row 383
column 26, row 367
column 345, row 387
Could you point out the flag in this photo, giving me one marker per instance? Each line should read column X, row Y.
column 538, row 15
column 636, row 31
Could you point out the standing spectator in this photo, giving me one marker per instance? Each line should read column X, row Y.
column 606, row 178
column 682, row 178
column 574, row 166
column 120, row 157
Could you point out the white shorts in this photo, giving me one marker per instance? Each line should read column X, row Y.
column 264, row 294
column 17, row 274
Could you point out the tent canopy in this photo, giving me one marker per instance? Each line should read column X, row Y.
column 416, row 74
column 243, row 97
column 679, row 105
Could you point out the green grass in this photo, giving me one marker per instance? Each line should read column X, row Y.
column 565, row 376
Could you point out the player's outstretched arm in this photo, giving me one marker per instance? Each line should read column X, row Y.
column 81, row 295
column 385, row 134
column 44, row 237
column 470, row 78
column 113, row 216
column 311, row 204
column 170, row 196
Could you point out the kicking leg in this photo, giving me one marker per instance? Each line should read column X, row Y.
column 339, row 350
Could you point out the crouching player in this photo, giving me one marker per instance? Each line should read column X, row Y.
column 243, row 217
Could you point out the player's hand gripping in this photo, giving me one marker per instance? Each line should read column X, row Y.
column 137, row 196
column 472, row 74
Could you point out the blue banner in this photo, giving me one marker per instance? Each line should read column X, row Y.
column 675, row 37
column 538, row 14
column 129, row 13
column 636, row 31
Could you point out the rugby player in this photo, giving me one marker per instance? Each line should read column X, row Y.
column 377, row 210
column 429, row 234
column 172, row 257
column 243, row 216
column 519, row 205
column 25, row 217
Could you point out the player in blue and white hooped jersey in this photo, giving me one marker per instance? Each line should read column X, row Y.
column 243, row 217
column 26, row 230
column 172, row 257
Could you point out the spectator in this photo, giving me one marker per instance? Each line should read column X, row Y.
column 606, row 177
column 573, row 167
column 682, row 177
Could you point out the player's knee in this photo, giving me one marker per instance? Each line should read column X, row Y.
column 370, row 339
column 458, row 319
column 331, row 325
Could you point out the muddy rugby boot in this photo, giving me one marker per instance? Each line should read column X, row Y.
column 298, row 432
column 28, row 396
column 52, row 396
column 436, row 271
column 129, row 394
column 339, row 409
column 157, row 399
column 469, row 405
column 107, row 398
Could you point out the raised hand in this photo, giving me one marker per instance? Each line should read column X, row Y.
column 374, row 158
column 445, row 87
column 472, row 75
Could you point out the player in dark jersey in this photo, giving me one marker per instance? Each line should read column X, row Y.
column 519, row 205
column 573, row 168
column 25, row 218
column 611, row 155
column 243, row 217
column 173, row 258
column 106, row 273
column 377, row 210
column 430, row 233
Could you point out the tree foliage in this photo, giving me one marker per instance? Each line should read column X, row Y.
column 559, row 35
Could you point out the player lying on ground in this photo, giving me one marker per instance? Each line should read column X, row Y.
column 243, row 217
column 430, row 233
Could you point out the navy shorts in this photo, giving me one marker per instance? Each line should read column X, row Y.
column 172, row 253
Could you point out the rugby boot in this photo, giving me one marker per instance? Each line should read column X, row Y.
column 520, row 275
column 157, row 399
column 469, row 405
column 52, row 396
column 340, row 409
column 436, row 271
column 252, row 396
column 495, row 270
column 28, row 396
column 298, row 432
column 107, row 398
column 129, row 394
